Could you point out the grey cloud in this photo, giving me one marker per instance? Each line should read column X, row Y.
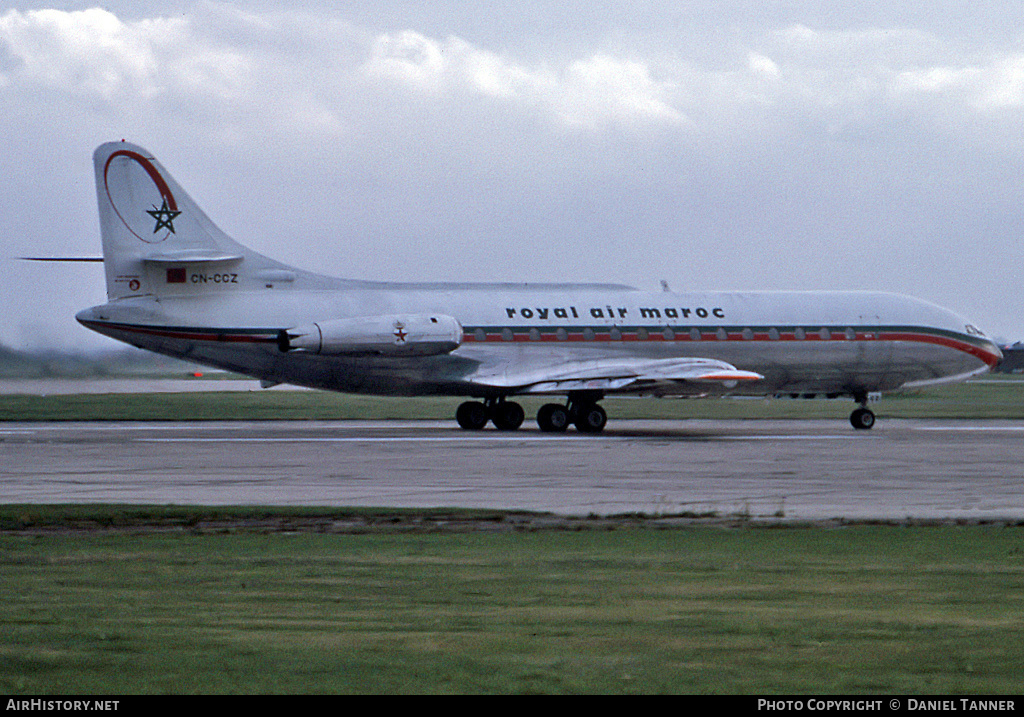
column 708, row 145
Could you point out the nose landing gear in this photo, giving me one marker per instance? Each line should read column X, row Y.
column 862, row 418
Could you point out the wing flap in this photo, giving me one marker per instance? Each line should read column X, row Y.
column 665, row 377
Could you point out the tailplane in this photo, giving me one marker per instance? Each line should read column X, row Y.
column 156, row 239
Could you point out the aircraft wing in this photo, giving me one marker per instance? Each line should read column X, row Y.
column 662, row 377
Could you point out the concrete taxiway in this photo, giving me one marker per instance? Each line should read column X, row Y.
column 799, row 470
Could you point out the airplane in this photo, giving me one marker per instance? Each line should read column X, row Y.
column 177, row 285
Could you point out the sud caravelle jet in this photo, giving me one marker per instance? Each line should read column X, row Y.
column 179, row 286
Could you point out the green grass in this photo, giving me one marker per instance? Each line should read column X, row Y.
column 865, row 609
column 993, row 399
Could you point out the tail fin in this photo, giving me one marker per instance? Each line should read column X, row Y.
column 156, row 239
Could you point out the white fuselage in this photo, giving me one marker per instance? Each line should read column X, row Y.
column 801, row 342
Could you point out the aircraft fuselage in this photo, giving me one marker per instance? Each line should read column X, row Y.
column 801, row 342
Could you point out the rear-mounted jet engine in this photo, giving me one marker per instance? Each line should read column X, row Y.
column 395, row 335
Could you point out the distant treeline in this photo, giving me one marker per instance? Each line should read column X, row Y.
column 61, row 364
column 1013, row 359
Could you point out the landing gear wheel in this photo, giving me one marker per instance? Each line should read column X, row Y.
column 553, row 418
column 862, row 419
column 508, row 416
column 472, row 415
column 590, row 419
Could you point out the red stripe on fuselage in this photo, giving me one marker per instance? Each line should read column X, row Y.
column 977, row 352
column 270, row 336
column 548, row 335
column 225, row 336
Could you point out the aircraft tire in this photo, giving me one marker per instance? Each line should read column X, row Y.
column 472, row 415
column 553, row 418
column 591, row 419
column 862, row 419
column 508, row 416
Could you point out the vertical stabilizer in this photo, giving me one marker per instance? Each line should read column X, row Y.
column 156, row 239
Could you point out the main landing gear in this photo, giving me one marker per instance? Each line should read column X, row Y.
column 506, row 415
column 581, row 411
column 585, row 414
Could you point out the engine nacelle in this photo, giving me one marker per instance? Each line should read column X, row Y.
column 393, row 335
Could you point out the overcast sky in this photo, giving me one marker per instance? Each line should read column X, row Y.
column 803, row 145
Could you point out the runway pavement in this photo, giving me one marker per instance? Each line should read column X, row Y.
column 797, row 470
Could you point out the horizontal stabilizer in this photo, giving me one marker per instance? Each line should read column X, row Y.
column 192, row 256
column 97, row 259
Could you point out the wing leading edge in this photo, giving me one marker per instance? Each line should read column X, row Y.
column 660, row 377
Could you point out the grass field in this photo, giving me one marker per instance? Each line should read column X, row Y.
column 158, row 599
column 994, row 398
column 864, row 609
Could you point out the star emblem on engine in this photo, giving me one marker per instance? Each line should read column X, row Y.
column 164, row 217
column 399, row 334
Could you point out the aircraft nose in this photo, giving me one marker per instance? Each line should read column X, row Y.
column 986, row 350
column 995, row 352
column 982, row 347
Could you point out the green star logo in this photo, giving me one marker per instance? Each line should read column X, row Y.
column 164, row 217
